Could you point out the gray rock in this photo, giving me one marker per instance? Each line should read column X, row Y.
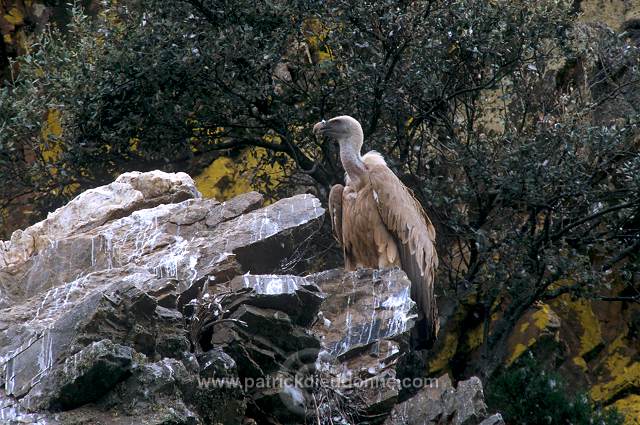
column 362, row 323
column 83, row 378
column 493, row 420
column 294, row 295
column 218, row 395
column 363, row 308
column 130, row 192
column 11, row 413
column 233, row 208
column 442, row 404
column 215, row 363
column 467, row 402
column 267, row 340
column 151, row 386
column 261, row 239
column 140, row 302
column 167, row 264
column 426, row 407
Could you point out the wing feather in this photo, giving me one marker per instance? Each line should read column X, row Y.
column 335, row 211
column 407, row 221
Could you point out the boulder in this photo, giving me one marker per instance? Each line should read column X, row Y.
column 82, row 378
column 439, row 403
column 141, row 302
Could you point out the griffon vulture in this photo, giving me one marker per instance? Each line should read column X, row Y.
column 379, row 223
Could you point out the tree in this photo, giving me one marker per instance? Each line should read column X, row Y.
column 498, row 115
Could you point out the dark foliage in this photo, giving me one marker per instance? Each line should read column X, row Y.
column 528, row 395
column 516, row 128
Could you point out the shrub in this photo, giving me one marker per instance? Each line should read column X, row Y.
column 527, row 394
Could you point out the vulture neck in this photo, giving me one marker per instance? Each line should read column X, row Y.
column 351, row 160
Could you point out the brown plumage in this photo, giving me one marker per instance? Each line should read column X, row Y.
column 379, row 223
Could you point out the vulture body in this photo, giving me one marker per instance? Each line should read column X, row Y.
column 379, row 223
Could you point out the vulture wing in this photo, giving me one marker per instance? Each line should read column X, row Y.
column 335, row 211
column 415, row 236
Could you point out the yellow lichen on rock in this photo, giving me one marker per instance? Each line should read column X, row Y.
column 620, row 373
column 475, row 337
column 519, row 349
column 625, row 379
column 226, row 178
column 317, row 32
column 630, row 408
column 531, row 326
column 581, row 311
column 14, row 17
column 441, row 360
column 611, row 12
column 51, row 133
column 591, row 333
column 219, row 180
column 582, row 330
column 580, row 362
column 544, row 316
column 22, row 41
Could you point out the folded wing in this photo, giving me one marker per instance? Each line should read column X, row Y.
column 415, row 236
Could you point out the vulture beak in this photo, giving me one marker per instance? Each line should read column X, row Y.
column 319, row 128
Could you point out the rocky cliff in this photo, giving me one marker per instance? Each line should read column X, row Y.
column 140, row 302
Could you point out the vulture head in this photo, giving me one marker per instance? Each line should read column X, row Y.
column 343, row 129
